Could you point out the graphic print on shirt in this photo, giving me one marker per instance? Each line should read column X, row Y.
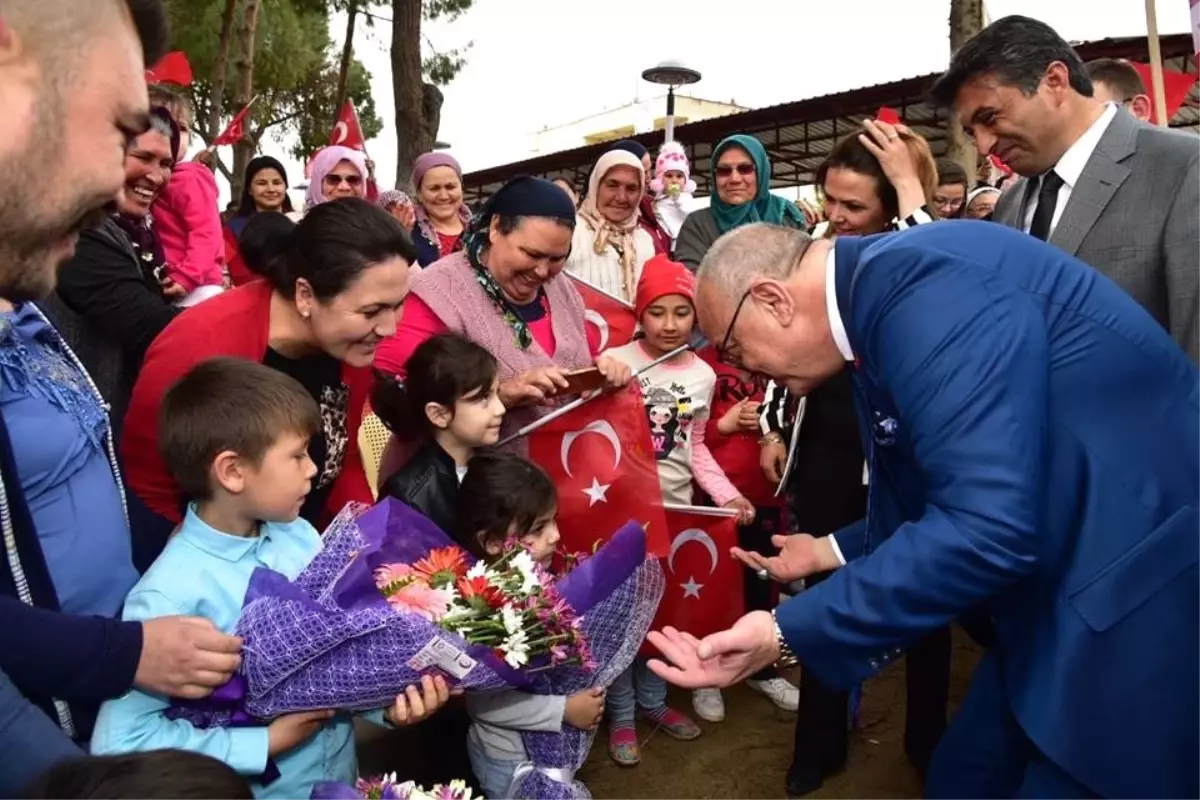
column 669, row 410
column 733, row 388
column 334, row 401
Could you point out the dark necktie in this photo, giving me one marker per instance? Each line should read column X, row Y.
column 1047, row 199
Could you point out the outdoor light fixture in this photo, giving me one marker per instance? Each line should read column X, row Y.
column 671, row 74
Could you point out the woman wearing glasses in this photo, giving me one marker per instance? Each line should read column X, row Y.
column 742, row 175
column 337, row 172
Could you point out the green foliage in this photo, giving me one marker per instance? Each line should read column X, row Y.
column 295, row 69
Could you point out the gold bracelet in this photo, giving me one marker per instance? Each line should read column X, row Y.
column 774, row 437
column 787, row 659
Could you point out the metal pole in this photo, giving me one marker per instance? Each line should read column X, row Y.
column 670, row 113
column 1156, row 73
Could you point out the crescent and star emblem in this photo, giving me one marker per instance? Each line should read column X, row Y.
column 600, row 427
column 597, row 319
column 691, row 588
column 340, row 132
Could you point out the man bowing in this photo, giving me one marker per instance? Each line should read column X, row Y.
column 1032, row 437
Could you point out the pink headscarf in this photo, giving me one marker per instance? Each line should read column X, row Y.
column 323, row 163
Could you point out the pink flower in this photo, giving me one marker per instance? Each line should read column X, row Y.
column 391, row 577
column 416, row 597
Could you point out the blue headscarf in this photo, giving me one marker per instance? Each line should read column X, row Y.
column 765, row 207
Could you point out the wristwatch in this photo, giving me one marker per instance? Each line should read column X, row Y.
column 787, row 659
column 774, row 437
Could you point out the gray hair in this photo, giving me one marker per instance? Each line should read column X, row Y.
column 752, row 251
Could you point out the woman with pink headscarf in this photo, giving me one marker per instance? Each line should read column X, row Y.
column 441, row 214
column 336, row 172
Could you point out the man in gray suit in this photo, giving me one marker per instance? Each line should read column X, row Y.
column 1120, row 194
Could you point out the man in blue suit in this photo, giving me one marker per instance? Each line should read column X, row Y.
column 1032, row 436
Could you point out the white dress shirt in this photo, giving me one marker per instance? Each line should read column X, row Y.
column 1070, row 168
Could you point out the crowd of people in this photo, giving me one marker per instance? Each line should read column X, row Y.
column 970, row 426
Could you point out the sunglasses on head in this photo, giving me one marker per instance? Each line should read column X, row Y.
column 725, row 170
column 349, row 180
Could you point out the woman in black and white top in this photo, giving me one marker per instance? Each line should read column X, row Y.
column 879, row 179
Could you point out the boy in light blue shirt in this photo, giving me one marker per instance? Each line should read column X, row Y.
column 235, row 436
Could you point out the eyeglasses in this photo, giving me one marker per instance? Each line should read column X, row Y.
column 334, row 179
column 724, row 354
column 743, row 169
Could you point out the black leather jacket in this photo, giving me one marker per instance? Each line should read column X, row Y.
column 429, row 484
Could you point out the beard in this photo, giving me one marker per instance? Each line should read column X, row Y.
column 37, row 229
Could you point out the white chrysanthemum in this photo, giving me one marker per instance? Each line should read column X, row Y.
column 516, row 650
column 513, row 620
column 523, row 563
column 477, row 570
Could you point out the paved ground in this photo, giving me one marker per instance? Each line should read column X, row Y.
column 747, row 755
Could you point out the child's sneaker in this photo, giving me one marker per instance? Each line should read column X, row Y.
column 781, row 693
column 709, row 704
column 623, row 747
column 675, row 724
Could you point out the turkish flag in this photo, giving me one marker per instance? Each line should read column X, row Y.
column 888, row 115
column 704, row 582
column 1176, row 86
column 601, row 460
column 171, row 68
column 347, row 131
column 610, row 321
column 235, row 130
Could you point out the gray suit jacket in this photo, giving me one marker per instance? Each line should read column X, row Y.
column 1135, row 216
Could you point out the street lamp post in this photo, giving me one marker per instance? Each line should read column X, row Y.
column 671, row 74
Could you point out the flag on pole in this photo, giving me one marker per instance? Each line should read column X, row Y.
column 888, row 115
column 236, row 128
column 609, row 320
column 704, row 591
column 1176, row 86
column 347, row 131
column 602, row 463
column 172, row 68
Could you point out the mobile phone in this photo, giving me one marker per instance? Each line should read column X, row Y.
column 583, row 380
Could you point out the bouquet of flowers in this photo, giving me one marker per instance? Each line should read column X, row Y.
column 390, row 598
column 386, row 787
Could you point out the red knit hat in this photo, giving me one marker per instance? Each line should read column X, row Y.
column 660, row 277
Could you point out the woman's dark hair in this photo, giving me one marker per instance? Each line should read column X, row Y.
column 264, row 239
column 334, row 243
column 443, row 369
column 246, row 206
column 501, row 493
column 850, row 153
column 167, row 774
column 951, row 173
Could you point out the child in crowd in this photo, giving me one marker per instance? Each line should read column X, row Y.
column 234, row 434
column 678, row 394
column 162, row 774
column 673, row 189
column 513, row 498
column 450, row 398
column 187, row 213
column 732, row 437
column 263, row 240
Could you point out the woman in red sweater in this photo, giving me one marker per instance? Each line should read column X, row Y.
column 332, row 296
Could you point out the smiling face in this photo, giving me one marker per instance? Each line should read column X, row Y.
column 268, row 190
column 148, row 166
column 350, row 325
column 440, row 193
column 524, row 259
column 618, row 194
column 344, row 180
column 852, row 203
column 737, row 179
column 476, row 418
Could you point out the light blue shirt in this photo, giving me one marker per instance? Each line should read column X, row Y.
column 204, row 572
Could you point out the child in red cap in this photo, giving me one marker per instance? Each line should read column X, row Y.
column 678, row 395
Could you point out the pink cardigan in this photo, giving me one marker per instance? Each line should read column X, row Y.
column 189, row 224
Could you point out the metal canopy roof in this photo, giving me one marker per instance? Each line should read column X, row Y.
column 800, row 134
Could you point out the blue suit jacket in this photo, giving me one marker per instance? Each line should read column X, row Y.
column 1033, row 438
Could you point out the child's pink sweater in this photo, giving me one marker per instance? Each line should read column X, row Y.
column 189, row 224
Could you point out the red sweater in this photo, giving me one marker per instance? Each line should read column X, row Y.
column 738, row 454
column 234, row 323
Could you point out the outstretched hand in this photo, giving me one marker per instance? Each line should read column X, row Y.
column 720, row 660
column 800, row 555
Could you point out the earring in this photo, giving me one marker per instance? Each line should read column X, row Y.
column 305, row 313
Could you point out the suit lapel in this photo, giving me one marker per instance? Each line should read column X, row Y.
column 1100, row 180
column 1010, row 208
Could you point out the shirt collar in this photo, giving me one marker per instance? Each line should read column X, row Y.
column 225, row 546
column 836, row 326
column 1070, row 166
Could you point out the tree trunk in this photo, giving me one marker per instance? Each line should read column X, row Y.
column 413, row 133
column 347, row 57
column 966, row 20
column 243, row 151
column 219, row 70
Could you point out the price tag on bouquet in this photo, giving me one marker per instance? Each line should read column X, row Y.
column 445, row 656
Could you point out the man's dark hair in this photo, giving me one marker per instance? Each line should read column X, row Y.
column 1122, row 80
column 150, row 19
column 1017, row 50
column 167, row 774
column 950, row 172
column 228, row 404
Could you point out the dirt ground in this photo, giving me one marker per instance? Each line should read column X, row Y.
column 748, row 754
